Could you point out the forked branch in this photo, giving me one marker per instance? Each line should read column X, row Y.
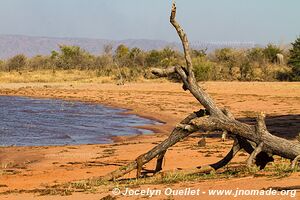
column 252, row 157
column 255, row 140
column 176, row 135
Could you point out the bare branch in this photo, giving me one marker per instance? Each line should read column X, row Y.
column 176, row 135
column 191, row 84
column 163, row 72
column 159, row 161
column 253, row 155
column 234, row 150
column 256, row 140
column 183, row 38
column 261, row 127
column 294, row 162
column 228, row 113
column 273, row 145
column 224, row 135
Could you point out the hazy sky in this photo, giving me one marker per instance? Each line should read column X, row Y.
column 259, row 21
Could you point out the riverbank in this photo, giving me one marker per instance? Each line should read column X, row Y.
column 35, row 167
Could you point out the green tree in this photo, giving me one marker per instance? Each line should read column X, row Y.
column 246, row 71
column 17, row 62
column 294, row 60
column 199, row 53
column 137, row 57
column 169, row 57
column 226, row 57
column 121, row 56
column 256, row 55
column 121, row 51
column 153, row 58
column 202, row 69
column 38, row 62
column 73, row 57
column 54, row 54
column 104, row 65
column 270, row 52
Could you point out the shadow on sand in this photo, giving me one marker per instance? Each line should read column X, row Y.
column 285, row 126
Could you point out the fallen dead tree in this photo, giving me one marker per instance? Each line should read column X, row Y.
column 254, row 139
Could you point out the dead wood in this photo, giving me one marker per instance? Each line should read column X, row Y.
column 176, row 135
column 255, row 140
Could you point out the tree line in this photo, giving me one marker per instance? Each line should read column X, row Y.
column 253, row 64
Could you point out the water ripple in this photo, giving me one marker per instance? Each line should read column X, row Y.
column 36, row 122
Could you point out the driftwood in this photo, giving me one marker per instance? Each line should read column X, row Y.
column 254, row 139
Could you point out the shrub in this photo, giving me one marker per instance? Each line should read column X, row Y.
column 39, row 62
column 16, row 63
column 137, row 57
column 103, row 61
column 127, row 74
column 228, row 59
column 283, row 76
column 2, row 65
column 153, row 58
column 294, row 60
column 270, row 52
column 202, row 69
column 199, row 53
column 256, row 55
column 121, row 56
column 72, row 57
column 246, row 70
column 130, row 64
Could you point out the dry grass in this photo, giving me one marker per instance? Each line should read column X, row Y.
column 277, row 170
column 71, row 75
column 47, row 76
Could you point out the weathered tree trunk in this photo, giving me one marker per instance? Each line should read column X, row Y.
column 176, row 135
column 255, row 140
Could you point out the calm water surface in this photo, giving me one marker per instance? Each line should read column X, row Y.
column 37, row 122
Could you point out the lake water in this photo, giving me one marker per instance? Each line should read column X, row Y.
column 38, row 122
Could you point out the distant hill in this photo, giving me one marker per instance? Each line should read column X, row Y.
column 11, row 45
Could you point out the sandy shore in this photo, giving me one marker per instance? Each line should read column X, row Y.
column 28, row 168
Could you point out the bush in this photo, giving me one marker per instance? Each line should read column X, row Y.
column 228, row 59
column 137, row 57
column 270, row 52
column 294, row 60
column 39, row 62
column 104, row 65
column 153, row 58
column 202, row 69
column 283, row 76
column 2, row 65
column 246, row 71
column 121, row 56
column 256, row 55
column 130, row 64
column 16, row 63
column 72, row 57
column 127, row 74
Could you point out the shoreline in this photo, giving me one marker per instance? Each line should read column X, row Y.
column 155, row 129
column 270, row 97
column 34, row 168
